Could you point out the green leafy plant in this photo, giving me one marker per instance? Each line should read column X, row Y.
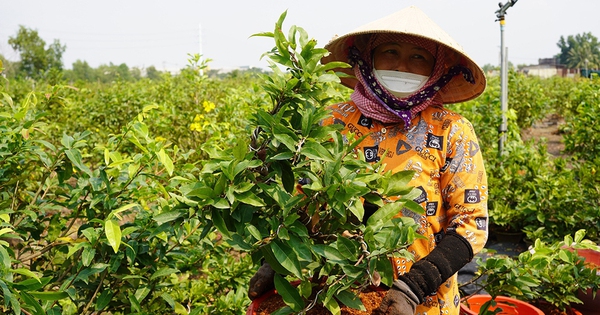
column 295, row 199
column 581, row 129
column 550, row 272
column 91, row 228
column 549, row 197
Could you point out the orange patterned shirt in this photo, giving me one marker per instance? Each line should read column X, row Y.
column 443, row 150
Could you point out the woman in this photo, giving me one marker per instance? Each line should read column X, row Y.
column 404, row 69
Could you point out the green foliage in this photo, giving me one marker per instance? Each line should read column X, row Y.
column 36, row 59
column 581, row 130
column 192, row 109
column 579, row 51
column 528, row 98
column 296, row 198
column 79, row 238
column 549, row 197
column 521, row 167
column 123, row 194
column 562, row 201
column 550, row 271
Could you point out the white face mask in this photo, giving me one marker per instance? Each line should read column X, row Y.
column 400, row 84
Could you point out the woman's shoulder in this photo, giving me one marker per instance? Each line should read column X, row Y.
column 441, row 114
column 446, row 121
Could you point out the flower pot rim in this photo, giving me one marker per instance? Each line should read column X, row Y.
column 524, row 307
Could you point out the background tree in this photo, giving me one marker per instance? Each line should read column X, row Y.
column 490, row 67
column 36, row 59
column 135, row 73
column 81, row 71
column 111, row 72
column 152, row 73
column 10, row 68
column 579, row 51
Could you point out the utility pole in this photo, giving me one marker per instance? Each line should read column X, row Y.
column 503, row 73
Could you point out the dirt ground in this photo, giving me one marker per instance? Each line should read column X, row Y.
column 548, row 129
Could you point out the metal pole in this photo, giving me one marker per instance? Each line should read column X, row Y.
column 503, row 74
column 503, row 90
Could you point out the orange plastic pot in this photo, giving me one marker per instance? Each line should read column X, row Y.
column 509, row 306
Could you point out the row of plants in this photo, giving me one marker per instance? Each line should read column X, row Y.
column 143, row 197
column 190, row 108
column 549, row 197
column 80, row 237
column 552, row 201
column 89, row 218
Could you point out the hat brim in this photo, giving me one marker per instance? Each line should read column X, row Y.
column 411, row 21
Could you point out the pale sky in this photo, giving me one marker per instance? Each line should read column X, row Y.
column 163, row 33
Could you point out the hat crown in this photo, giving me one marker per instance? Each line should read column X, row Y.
column 412, row 21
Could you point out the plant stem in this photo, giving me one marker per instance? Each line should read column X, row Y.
column 87, row 306
column 63, row 234
column 185, row 238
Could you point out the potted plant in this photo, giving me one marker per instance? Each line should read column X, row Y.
column 549, row 276
column 512, row 210
column 292, row 194
column 590, row 300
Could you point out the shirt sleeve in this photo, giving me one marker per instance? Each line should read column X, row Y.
column 464, row 185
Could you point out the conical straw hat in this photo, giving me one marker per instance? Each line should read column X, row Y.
column 414, row 22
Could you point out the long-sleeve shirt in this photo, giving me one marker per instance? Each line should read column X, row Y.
column 443, row 150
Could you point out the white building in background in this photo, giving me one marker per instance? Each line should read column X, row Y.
column 549, row 67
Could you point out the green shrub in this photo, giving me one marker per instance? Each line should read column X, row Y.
column 107, row 236
column 310, row 230
column 581, row 131
column 551, row 271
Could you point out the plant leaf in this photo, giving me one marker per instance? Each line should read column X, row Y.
column 315, row 150
column 75, row 157
column 287, row 258
column 351, row 300
column 347, row 248
column 384, row 214
column 164, row 272
column 49, row 295
column 103, row 300
column 113, row 234
column 288, row 293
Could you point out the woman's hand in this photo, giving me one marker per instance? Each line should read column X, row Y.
column 262, row 281
column 400, row 300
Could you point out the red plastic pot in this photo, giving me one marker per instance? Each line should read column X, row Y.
column 509, row 306
column 253, row 307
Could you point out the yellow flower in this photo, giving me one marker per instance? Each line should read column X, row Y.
column 196, row 127
column 198, row 117
column 160, row 139
column 208, row 106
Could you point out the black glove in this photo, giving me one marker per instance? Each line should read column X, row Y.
column 262, row 281
column 399, row 300
column 426, row 275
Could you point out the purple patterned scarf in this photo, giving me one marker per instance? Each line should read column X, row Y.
column 376, row 102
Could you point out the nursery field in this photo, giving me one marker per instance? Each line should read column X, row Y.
column 110, row 201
